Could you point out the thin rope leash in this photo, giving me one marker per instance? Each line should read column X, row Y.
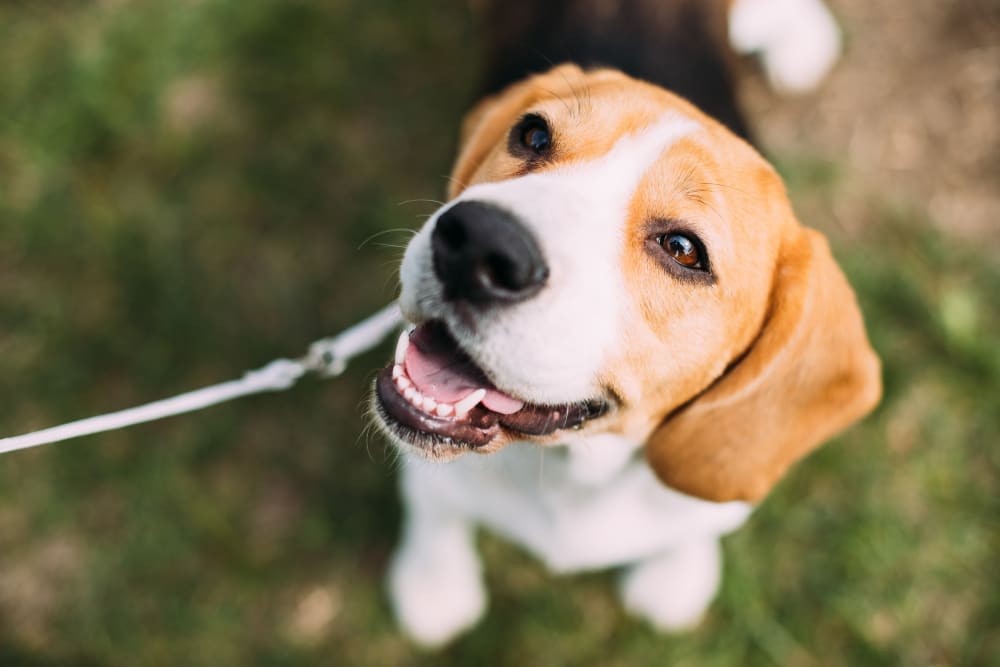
column 327, row 357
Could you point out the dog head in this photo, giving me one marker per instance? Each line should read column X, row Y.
column 613, row 260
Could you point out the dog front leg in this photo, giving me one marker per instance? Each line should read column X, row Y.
column 673, row 590
column 435, row 580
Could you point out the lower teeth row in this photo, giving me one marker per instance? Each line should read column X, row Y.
column 427, row 404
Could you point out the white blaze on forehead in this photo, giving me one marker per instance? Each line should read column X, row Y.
column 551, row 348
column 621, row 168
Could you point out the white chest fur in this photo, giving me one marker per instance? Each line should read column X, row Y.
column 589, row 505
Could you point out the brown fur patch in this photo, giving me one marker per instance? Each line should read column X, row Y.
column 731, row 379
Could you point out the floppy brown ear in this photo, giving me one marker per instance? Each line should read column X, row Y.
column 810, row 373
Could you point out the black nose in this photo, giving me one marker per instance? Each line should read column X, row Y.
column 483, row 254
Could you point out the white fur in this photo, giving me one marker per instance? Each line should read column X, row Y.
column 594, row 503
column 435, row 583
column 595, row 459
column 672, row 591
column 798, row 40
column 533, row 496
column 547, row 349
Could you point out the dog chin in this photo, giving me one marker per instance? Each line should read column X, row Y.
column 431, row 448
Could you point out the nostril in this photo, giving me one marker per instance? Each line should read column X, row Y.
column 483, row 254
column 508, row 274
column 453, row 232
column 501, row 272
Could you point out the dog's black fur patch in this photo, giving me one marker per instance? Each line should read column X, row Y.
column 681, row 45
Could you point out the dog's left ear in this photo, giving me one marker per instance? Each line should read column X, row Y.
column 810, row 373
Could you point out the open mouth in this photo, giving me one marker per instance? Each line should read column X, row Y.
column 434, row 394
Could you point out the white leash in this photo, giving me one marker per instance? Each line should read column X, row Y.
column 327, row 357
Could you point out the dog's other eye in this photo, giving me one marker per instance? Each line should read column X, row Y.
column 534, row 134
column 537, row 138
column 682, row 250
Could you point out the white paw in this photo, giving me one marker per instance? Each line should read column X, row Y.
column 798, row 40
column 799, row 65
column 437, row 594
column 673, row 592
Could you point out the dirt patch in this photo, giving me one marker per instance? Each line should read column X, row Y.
column 911, row 109
column 33, row 584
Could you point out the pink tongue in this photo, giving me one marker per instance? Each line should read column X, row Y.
column 448, row 378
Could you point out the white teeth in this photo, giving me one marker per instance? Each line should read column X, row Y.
column 428, row 404
column 401, row 345
column 469, row 402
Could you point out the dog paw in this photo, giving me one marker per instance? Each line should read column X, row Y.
column 436, row 600
column 800, row 65
column 674, row 591
column 798, row 40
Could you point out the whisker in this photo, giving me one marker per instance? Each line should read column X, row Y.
column 396, row 230
column 731, row 187
column 541, row 467
column 559, row 97
column 451, row 179
column 424, row 201
column 576, row 95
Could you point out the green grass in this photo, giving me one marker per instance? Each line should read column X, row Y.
column 185, row 189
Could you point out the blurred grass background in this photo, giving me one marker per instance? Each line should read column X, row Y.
column 186, row 188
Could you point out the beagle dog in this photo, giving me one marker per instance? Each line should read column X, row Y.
column 620, row 336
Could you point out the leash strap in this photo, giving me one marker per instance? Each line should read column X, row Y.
column 327, row 357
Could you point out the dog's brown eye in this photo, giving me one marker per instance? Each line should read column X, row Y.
column 537, row 139
column 683, row 250
column 535, row 134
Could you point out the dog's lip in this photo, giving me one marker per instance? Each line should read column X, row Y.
column 469, row 423
column 480, row 426
column 476, row 429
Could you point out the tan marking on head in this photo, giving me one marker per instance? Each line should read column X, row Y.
column 588, row 111
column 684, row 333
column 809, row 373
column 730, row 381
